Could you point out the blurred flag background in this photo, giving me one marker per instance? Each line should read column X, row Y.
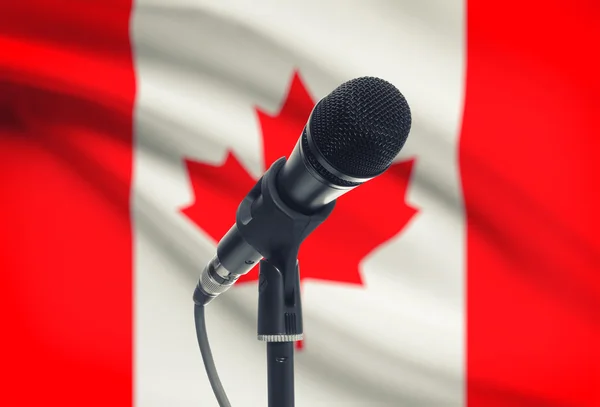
column 467, row 275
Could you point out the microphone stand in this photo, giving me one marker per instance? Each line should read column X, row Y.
column 279, row 325
column 276, row 231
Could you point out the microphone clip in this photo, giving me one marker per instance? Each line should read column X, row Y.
column 276, row 231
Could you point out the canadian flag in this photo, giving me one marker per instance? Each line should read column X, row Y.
column 467, row 275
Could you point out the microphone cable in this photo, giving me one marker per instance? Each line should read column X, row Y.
column 207, row 358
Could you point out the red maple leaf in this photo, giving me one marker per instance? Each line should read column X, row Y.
column 362, row 220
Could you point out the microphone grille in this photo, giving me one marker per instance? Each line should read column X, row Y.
column 361, row 126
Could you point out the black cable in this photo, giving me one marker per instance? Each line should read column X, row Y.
column 209, row 363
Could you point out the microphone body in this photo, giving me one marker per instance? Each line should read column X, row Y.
column 301, row 183
column 266, row 227
column 352, row 135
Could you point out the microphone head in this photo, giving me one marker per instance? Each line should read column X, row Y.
column 358, row 129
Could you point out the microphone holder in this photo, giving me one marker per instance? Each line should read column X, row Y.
column 276, row 230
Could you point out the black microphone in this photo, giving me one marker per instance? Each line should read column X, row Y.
column 352, row 135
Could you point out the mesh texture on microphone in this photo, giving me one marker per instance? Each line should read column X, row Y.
column 360, row 127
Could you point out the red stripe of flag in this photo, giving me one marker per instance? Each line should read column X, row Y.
column 530, row 163
column 66, row 96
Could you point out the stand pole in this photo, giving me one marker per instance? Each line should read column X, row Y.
column 280, row 325
column 280, row 371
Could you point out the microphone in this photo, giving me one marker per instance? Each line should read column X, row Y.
column 352, row 135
